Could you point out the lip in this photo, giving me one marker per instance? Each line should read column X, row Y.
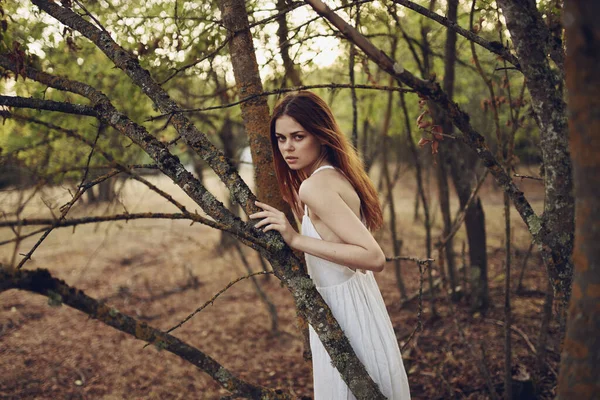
column 291, row 160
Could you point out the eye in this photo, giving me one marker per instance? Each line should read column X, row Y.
column 298, row 137
column 281, row 139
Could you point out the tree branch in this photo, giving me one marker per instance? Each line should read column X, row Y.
column 244, row 237
column 50, row 105
column 40, row 281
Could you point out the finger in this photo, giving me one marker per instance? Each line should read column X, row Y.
column 263, row 222
column 266, row 206
column 260, row 214
column 272, row 227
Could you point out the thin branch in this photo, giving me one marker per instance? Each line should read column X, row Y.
column 198, row 61
column 64, row 210
column 57, row 223
column 460, row 217
column 212, row 300
column 535, row 178
column 419, row 261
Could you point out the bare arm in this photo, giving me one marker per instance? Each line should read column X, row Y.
column 358, row 250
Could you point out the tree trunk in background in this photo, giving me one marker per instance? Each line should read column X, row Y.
column 442, row 169
column 226, row 136
column 291, row 74
column 461, row 162
column 580, row 361
column 396, row 243
column 532, row 42
column 255, row 112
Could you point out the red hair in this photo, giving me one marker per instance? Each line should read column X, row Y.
column 315, row 116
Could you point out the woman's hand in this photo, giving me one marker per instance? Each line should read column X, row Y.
column 274, row 220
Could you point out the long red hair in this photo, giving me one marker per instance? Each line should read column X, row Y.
column 315, row 116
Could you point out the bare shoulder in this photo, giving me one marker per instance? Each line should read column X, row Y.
column 324, row 189
column 323, row 182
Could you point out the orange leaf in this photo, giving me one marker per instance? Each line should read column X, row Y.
column 423, row 142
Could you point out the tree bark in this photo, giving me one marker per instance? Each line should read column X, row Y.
column 255, row 112
column 531, row 39
column 580, row 361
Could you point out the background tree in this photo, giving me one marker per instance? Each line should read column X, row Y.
column 579, row 366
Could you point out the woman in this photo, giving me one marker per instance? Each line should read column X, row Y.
column 322, row 178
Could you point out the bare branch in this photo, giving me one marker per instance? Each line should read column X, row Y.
column 50, row 105
column 212, row 299
column 535, row 178
column 64, row 210
column 40, row 281
column 420, row 261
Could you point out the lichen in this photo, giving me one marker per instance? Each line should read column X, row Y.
column 54, row 299
column 535, row 224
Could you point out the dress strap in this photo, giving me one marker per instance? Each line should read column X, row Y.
column 306, row 210
column 322, row 167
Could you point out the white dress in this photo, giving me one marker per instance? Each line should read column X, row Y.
column 356, row 303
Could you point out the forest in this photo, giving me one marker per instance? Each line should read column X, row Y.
column 135, row 141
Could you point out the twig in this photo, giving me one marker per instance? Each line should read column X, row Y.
column 419, row 261
column 57, row 223
column 212, row 300
column 67, row 207
column 419, row 326
column 50, row 105
column 535, row 178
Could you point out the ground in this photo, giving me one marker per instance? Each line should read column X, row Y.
column 160, row 270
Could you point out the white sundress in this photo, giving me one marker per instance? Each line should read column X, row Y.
column 356, row 303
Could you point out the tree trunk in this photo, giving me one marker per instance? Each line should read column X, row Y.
column 442, row 174
column 396, row 243
column 226, row 136
column 580, row 361
column 291, row 74
column 255, row 112
column 531, row 39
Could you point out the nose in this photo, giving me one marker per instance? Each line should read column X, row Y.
column 288, row 146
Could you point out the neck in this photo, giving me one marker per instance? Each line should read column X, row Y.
column 319, row 162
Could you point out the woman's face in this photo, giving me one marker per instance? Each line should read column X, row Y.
column 299, row 148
